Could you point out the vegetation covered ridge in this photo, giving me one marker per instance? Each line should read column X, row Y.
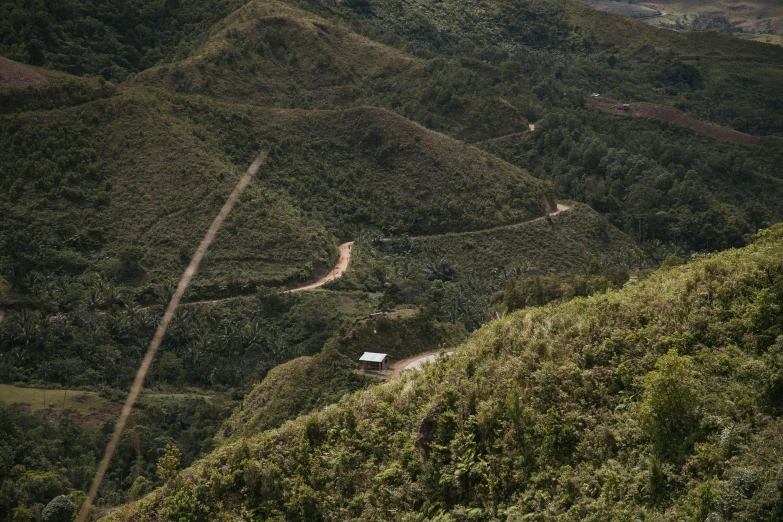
column 657, row 401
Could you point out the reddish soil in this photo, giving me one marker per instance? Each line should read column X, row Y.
column 94, row 420
column 14, row 75
column 670, row 115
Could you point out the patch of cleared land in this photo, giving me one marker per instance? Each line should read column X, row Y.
column 14, row 75
column 85, row 407
column 670, row 115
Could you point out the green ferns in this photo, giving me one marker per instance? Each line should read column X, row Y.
column 659, row 401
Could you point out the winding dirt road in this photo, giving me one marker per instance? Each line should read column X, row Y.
column 560, row 208
column 346, row 250
column 670, row 115
column 336, row 273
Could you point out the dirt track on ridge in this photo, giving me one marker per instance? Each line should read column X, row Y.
column 670, row 115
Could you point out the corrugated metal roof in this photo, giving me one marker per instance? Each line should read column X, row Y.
column 373, row 357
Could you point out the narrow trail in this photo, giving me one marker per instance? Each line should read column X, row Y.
column 560, row 208
column 346, row 250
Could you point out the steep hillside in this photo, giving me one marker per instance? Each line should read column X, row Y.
column 112, row 38
column 309, row 383
column 661, row 401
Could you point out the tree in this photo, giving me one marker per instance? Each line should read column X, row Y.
column 130, row 257
column 168, row 464
column 669, row 413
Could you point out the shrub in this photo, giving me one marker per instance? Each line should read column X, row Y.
column 60, row 509
column 168, row 465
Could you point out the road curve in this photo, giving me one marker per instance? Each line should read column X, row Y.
column 347, row 248
column 336, row 273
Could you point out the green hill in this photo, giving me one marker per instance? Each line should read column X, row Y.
column 284, row 57
column 455, row 275
column 125, row 125
column 660, row 400
column 113, row 185
column 653, row 180
column 122, row 198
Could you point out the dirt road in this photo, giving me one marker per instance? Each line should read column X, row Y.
column 560, row 208
column 336, row 273
column 346, row 250
column 415, row 362
column 670, row 115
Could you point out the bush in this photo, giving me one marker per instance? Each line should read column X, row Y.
column 60, row 509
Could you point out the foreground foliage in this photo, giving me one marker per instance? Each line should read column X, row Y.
column 657, row 401
column 45, row 457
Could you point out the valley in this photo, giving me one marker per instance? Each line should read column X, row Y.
column 439, row 185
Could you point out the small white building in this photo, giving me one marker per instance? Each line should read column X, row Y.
column 374, row 362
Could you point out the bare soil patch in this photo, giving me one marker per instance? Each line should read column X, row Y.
column 670, row 115
column 14, row 75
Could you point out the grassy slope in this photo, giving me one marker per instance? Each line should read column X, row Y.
column 128, row 171
column 79, row 401
column 563, row 244
column 368, row 167
column 539, row 413
column 296, row 387
column 378, row 169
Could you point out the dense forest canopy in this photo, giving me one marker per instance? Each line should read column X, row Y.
column 110, row 38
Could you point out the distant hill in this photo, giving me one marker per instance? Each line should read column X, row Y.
column 140, row 170
column 758, row 20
